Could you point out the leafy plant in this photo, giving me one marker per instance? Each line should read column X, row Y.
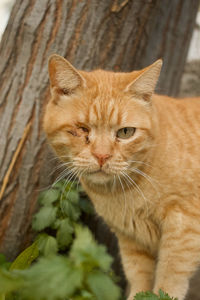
column 151, row 296
column 64, row 262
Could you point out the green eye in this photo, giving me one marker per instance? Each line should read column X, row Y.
column 126, row 132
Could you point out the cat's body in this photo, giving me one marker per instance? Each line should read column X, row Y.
column 170, row 197
column 146, row 186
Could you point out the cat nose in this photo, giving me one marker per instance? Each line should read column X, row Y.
column 102, row 158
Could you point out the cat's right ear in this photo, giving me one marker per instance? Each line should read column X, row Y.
column 143, row 85
column 63, row 76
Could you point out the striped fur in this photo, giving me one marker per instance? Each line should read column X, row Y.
column 149, row 190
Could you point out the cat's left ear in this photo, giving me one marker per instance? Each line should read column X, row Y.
column 144, row 85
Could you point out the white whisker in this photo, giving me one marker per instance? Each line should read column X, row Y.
column 70, row 176
column 148, row 178
column 140, row 162
column 126, row 181
column 63, row 174
column 60, row 166
column 74, row 176
column 81, row 172
column 124, row 196
column 60, row 157
column 138, row 189
column 114, row 183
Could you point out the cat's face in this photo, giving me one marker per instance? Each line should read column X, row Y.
column 100, row 122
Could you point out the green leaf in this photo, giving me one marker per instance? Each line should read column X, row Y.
column 56, row 224
column 3, row 262
column 64, row 233
column 25, row 258
column 59, row 185
column 165, row 296
column 73, row 196
column 2, row 259
column 146, row 296
column 70, row 210
column 85, row 251
column 84, row 295
column 47, row 244
column 9, row 282
column 67, row 187
column 80, row 189
column 151, row 296
column 44, row 218
column 48, row 197
column 52, row 278
column 86, row 206
column 102, row 286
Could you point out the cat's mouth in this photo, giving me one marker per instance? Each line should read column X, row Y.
column 98, row 176
column 100, row 171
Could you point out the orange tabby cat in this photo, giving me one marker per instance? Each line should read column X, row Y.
column 137, row 155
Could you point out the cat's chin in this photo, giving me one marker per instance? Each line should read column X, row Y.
column 98, row 177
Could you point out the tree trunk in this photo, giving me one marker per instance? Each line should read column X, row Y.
column 119, row 35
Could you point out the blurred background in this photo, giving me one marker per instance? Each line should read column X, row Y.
column 5, row 9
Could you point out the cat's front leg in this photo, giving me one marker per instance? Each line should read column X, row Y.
column 138, row 265
column 179, row 253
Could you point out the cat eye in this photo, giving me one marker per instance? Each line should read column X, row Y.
column 84, row 129
column 65, row 91
column 126, row 132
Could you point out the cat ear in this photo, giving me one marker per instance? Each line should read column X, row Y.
column 63, row 75
column 143, row 86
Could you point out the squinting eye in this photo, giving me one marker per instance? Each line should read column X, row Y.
column 126, row 132
column 84, row 129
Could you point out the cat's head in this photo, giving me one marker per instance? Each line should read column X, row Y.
column 100, row 122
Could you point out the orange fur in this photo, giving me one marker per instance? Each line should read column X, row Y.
column 146, row 187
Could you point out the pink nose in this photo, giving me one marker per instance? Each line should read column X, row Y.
column 102, row 158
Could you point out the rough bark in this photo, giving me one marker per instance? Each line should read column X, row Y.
column 118, row 35
column 190, row 80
